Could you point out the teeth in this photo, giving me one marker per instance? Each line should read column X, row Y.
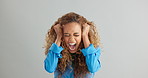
column 72, row 43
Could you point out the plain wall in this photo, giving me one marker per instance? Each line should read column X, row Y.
column 122, row 24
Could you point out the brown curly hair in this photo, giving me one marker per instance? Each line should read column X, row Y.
column 80, row 67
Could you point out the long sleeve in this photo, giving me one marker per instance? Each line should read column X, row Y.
column 92, row 58
column 51, row 61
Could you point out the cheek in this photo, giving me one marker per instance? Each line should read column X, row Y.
column 78, row 39
column 66, row 39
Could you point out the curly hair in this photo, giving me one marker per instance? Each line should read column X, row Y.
column 67, row 59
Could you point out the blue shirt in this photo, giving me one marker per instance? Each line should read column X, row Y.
column 91, row 54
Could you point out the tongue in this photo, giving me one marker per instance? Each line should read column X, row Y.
column 72, row 47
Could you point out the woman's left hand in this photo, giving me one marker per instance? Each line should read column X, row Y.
column 85, row 29
column 85, row 32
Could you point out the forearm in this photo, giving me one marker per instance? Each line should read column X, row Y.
column 92, row 55
column 86, row 41
column 58, row 41
column 51, row 61
column 93, row 63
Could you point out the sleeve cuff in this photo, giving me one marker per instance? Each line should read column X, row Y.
column 55, row 48
column 89, row 50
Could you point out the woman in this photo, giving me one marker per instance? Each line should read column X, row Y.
column 72, row 48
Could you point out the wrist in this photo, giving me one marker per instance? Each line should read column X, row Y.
column 84, row 35
column 59, row 37
column 58, row 40
column 86, row 40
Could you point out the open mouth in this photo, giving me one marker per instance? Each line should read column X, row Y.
column 72, row 46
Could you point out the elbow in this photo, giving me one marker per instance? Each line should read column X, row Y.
column 94, row 69
column 49, row 68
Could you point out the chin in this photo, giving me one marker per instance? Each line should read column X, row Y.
column 72, row 51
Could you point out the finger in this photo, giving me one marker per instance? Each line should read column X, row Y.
column 85, row 24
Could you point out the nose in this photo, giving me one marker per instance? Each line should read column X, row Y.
column 71, row 39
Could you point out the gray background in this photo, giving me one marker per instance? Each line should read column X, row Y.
column 122, row 24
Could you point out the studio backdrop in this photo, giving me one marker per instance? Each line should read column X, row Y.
column 122, row 25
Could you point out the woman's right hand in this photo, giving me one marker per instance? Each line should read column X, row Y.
column 58, row 30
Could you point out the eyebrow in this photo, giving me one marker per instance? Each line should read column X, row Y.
column 74, row 33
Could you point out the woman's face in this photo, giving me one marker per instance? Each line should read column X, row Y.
column 72, row 36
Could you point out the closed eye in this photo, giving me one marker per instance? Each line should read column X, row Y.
column 76, row 35
column 66, row 35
